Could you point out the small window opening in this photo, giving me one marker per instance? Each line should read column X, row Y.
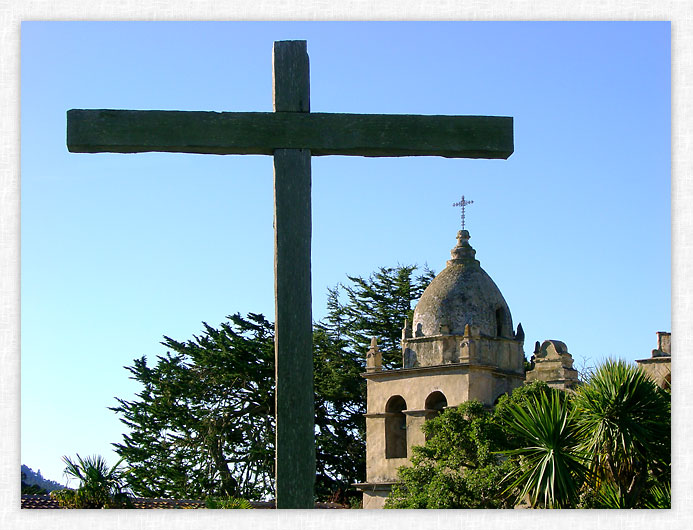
column 499, row 322
column 395, row 428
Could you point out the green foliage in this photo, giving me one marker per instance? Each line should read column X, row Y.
column 79, row 499
column 363, row 308
column 65, row 498
column 457, row 467
column 605, row 446
column 339, row 422
column 658, row 495
column 32, row 489
column 518, row 397
column 376, row 307
column 606, row 495
column 203, row 424
column 624, row 422
column 227, row 503
column 460, row 466
column 99, row 485
column 355, row 503
column 549, row 468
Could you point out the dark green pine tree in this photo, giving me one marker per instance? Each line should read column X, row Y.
column 357, row 311
column 203, row 423
column 376, row 307
column 339, row 422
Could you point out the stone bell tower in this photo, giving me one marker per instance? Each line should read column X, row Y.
column 460, row 346
column 658, row 367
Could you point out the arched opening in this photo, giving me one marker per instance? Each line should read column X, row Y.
column 495, row 402
column 435, row 404
column 499, row 321
column 395, row 428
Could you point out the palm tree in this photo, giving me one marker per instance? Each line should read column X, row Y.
column 550, row 469
column 100, row 486
column 624, row 421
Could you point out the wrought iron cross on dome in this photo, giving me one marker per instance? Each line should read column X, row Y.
column 291, row 134
column 462, row 203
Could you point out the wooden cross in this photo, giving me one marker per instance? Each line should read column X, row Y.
column 462, row 203
column 291, row 134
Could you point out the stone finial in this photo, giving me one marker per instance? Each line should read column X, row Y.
column 463, row 251
column 555, row 350
column 406, row 330
column 520, row 334
column 468, row 347
column 374, row 358
column 663, row 345
column 554, row 365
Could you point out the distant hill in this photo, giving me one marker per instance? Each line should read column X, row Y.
column 31, row 477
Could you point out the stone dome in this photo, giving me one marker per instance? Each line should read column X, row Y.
column 462, row 294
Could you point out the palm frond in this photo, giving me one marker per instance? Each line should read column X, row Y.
column 550, row 469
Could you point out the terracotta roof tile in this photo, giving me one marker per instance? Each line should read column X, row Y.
column 46, row 502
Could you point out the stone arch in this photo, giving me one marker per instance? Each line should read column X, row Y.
column 435, row 404
column 495, row 401
column 395, row 428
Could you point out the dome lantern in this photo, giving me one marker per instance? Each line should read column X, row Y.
column 463, row 294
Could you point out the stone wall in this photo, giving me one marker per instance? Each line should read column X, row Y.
column 658, row 367
column 553, row 365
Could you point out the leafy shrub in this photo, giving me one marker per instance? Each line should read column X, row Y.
column 227, row 503
column 100, row 487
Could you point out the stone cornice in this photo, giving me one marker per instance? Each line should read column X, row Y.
column 481, row 336
column 379, row 414
column 655, row 360
column 374, row 486
column 417, row 412
column 425, row 370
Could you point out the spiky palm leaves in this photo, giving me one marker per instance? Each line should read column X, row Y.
column 610, row 441
column 99, row 485
column 550, row 469
column 623, row 421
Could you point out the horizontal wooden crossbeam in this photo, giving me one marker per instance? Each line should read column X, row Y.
column 260, row 133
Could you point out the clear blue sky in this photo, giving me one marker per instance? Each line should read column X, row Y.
column 118, row 250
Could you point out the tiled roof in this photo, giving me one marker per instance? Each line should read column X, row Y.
column 167, row 503
column 40, row 502
column 46, row 502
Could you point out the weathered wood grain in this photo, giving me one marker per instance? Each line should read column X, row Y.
column 260, row 133
column 293, row 344
column 290, row 76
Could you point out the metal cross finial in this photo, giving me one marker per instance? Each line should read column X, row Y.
column 463, row 203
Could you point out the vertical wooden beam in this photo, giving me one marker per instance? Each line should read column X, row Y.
column 290, row 76
column 295, row 439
